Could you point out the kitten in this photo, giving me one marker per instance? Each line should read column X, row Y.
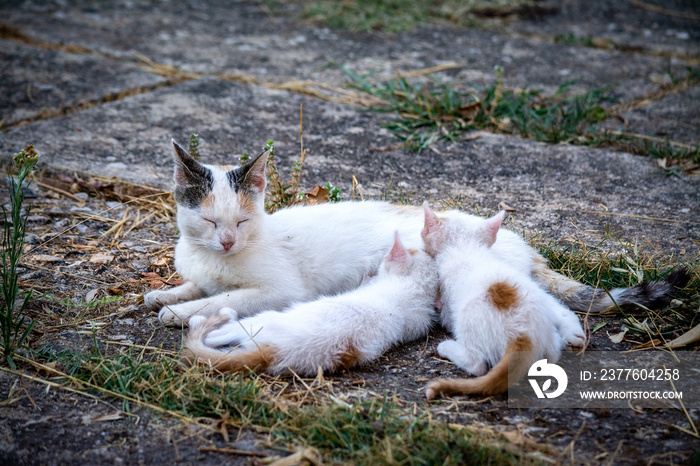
column 332, row 332
column 491, row 308
column 232, row 254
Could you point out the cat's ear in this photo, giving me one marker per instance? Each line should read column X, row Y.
column 398, row 253
column 432, row 221
column 491, row 227
column 251, row 176
column 188, row 171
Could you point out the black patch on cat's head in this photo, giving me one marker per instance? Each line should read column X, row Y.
column 249, row 178
column 193, row 180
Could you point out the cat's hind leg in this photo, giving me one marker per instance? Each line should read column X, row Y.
column 458, row 354
column 572, row 334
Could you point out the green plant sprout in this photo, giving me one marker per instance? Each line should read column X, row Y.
column 14, row 330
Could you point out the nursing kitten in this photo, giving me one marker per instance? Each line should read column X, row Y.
column 332, row 332
column 232, row 254
column 491, row 308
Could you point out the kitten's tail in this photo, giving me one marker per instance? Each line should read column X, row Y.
column 497, row 380
column 584, row 298
column 237, row 360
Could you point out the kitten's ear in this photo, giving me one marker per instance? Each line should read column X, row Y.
column 251, row 176
column 398, row 253
column 187, row 170
column 432, row 222
column 491, row 227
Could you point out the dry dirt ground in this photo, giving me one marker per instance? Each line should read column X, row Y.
column 73, row 255
column 101, row 87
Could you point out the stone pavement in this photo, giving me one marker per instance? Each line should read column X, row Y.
column 103, row 86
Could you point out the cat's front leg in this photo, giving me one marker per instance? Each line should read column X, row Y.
column 457, row 353
column 159, row 298
column 246, row 302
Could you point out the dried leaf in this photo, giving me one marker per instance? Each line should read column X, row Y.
column 91, row 295
column 506, row 207
column 317, row 195
column 46, row 258
column 101, row 258
column 162, row 261
column 618, row 337
column 469, row 111
column 108, row 417
column 691, row 336
column 155, row 281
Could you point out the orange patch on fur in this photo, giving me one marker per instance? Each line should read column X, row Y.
column 208, row 201
column 503, row 295
column 246, row 203
column 412, row 251
column 521, row 343
column 226, row 168
column 350, row 357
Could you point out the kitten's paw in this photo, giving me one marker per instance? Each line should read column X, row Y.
column 448, row 349
column 574, row 341
column 196, row 321
column 229, row 313
column 158, row 298
column 179, row 314
column 431, row 391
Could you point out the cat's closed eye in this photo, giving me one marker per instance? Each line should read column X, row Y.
column 210, row 221
column 242, row 221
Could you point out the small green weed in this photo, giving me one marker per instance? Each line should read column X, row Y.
column 194, row 146
column 444, row 111
column 438, row 110
column 71, row 304
column 281, row 193
column 14, row 330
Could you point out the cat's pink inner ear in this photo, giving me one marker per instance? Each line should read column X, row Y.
column 181, row 176
column 182, row 161
column 432, row 221
column 256, row 175
column 398, row 252
column 492, row 226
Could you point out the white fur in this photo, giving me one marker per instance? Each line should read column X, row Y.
column 395, row 306
column 468, row 266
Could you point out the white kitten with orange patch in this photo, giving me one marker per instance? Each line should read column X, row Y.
column 332, row 332
column 491, row 308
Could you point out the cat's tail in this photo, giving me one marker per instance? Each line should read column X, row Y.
column 256, row 359
column 511, row 368
column 584, row 298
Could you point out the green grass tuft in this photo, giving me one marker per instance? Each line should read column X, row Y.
column 374, row 431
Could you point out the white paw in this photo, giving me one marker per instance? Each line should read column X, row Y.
column 179, row 314
column 225, row 335
column 448, row 349
column 196, row 321
column 228, row 312
column 158, row 298
column 574, row 341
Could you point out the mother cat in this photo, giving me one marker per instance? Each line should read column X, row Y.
column 232, row 254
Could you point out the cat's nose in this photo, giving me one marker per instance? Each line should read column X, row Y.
column 226, row 245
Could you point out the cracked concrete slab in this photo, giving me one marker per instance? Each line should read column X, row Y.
column 243, row 38
column 551, row 186
column 40, row 83
column 666, row 27
column 675, row 118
